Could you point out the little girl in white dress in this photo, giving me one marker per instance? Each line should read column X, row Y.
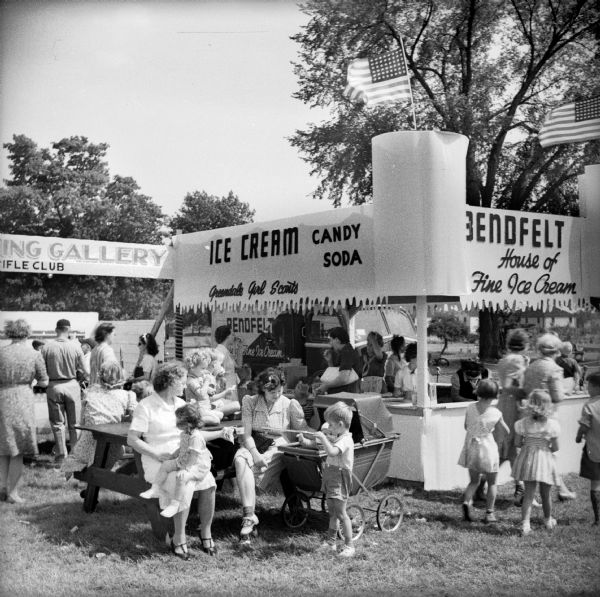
column 480, row 450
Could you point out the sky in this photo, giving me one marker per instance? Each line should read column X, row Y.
column 190, row 96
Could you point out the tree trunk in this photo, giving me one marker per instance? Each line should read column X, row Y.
column 445, row 346
column 489, row 335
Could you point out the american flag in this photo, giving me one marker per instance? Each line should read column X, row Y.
column 378, row 79
column 572, row 123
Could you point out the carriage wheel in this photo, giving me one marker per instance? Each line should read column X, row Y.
column 357, row 518
column 390, row 513
column 295, row 509
column 324, row 504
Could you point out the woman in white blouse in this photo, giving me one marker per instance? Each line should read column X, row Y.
column 405, row 382
column 145, row 367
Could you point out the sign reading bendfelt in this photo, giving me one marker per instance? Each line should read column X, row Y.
column 523, row 257
column 43, row 255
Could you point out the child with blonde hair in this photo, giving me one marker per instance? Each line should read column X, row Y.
column 537, row 436
column 201, row 385
column 589, row 428
column 337, row 473
column 224, row 398
column 480, row 451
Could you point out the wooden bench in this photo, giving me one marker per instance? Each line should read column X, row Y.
column 128, row 480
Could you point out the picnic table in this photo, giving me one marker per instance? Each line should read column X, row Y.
column 131, row 483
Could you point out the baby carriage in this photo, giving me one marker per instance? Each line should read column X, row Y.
column 373, row 436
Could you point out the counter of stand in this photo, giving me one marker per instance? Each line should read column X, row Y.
column 431, row 440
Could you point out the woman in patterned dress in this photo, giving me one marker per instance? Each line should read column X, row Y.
column 106, row 402
column 20, row 364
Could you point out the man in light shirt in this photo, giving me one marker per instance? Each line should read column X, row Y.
column 64, row 361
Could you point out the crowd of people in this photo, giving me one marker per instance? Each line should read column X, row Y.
column 513, row 419
column 510, row 418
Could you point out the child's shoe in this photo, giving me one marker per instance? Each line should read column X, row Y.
column 525, row 529
column 550, row 523
column 153, row 492
column 328, row 546
column 248, row 524
column 466, row 512
column 170, row 510
column 347, row 552
column 490, row 516
column 565, row 495
column 229, row 434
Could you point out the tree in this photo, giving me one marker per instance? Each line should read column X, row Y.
column 66, row 191
column 201, row 211
column 490, row 70
column 448, row 327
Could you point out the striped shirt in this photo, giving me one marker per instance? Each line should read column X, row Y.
column 285, row 413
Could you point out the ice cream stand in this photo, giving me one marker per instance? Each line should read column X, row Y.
column 419, row 243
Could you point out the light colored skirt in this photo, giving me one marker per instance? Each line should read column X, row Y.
column 536, row 464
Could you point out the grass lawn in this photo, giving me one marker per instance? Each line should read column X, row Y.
column 49, row 546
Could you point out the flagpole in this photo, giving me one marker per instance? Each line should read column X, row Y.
column 409, row 85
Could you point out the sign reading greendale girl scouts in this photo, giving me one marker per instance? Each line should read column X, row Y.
column 523, row 258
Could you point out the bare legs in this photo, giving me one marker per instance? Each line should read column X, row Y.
column 11, row 470
column 469, row 493
column 492, row 490
column 337, row 513
column 530, row 487
column 229, row 407
column 246, row 483
column 595, row 498
column 4, row 464
column 206, row 512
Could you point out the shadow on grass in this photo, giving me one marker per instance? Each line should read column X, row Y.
column 116, row 527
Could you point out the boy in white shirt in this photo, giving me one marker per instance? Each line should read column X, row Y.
column 337, row 473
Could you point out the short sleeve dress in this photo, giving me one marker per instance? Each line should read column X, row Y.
column 20, row 364
column 101, row 406
column 511, row 370
column 535, row 461
column 155, row 420
column 480, row 451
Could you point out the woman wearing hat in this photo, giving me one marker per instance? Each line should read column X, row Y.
column 511, row 370
column 545, row 374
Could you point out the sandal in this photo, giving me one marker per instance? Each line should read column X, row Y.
column 184, row 554
column 208, row 546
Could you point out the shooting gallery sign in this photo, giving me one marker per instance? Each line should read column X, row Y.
column 323, row 256
column 43, row 255
column 522, row 258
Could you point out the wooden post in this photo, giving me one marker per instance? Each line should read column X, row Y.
column 178, row 335
column 422, row 386
column 163, row 311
